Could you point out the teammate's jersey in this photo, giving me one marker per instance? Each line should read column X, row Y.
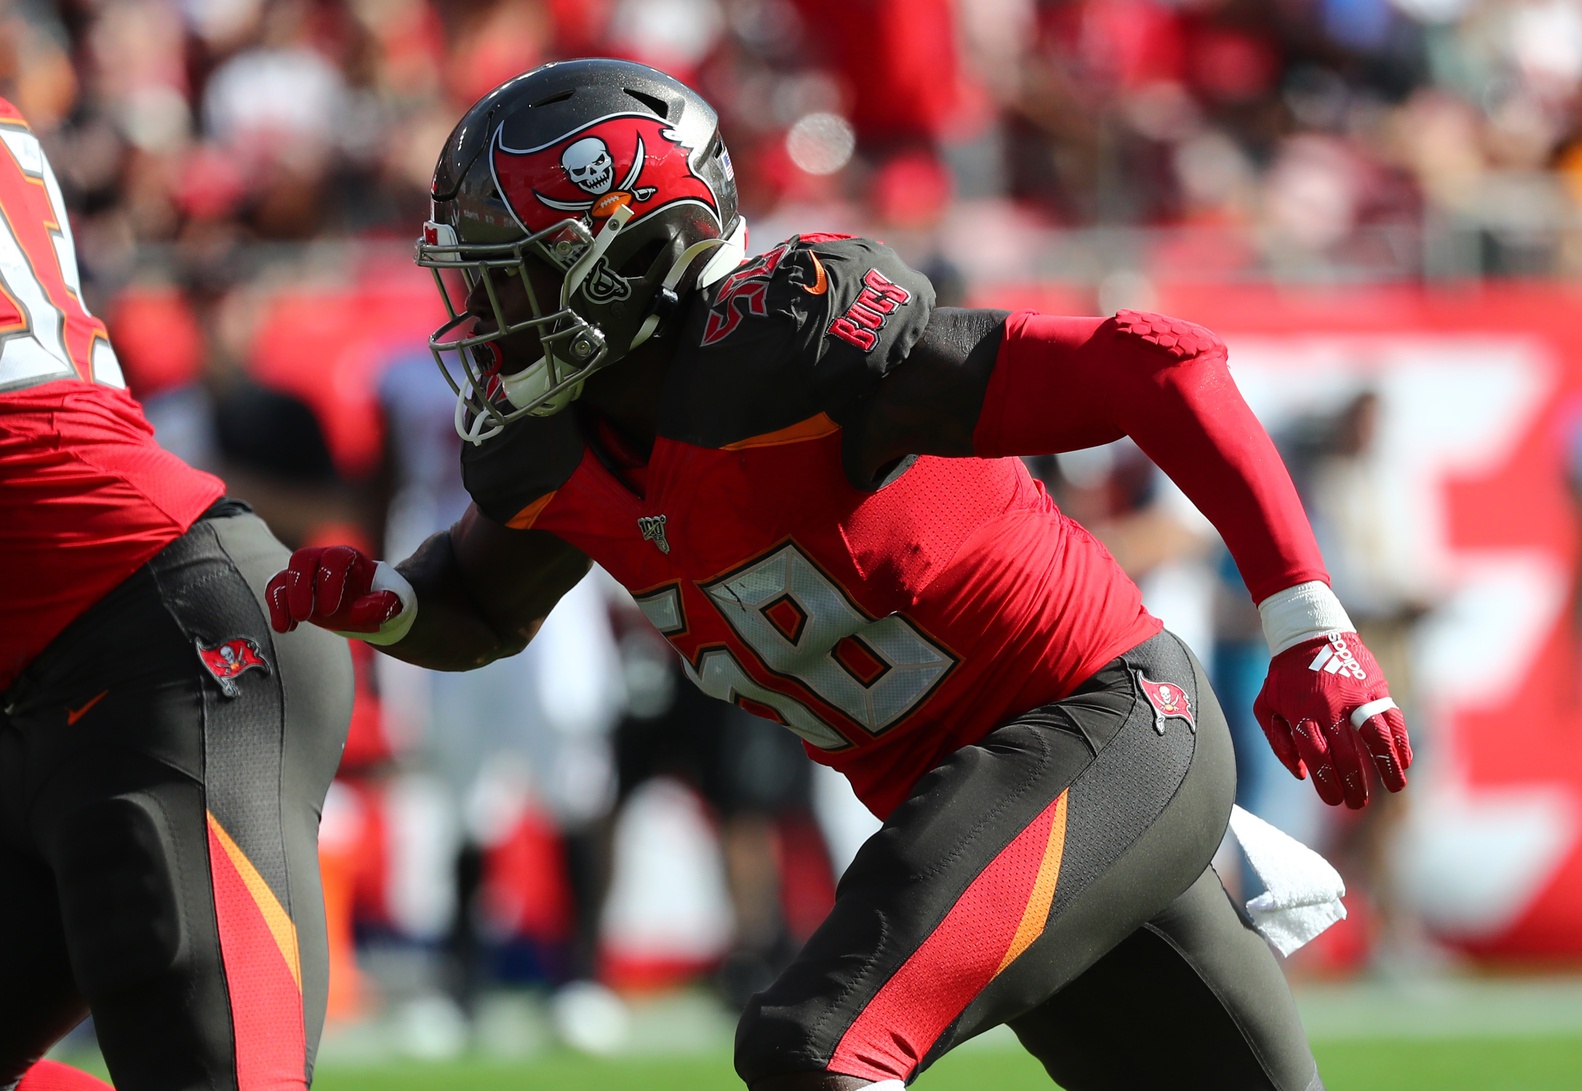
column 886, row 622
column 86, row 496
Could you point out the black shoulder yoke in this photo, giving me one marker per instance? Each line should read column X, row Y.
column 527, row 461
column 806, row 328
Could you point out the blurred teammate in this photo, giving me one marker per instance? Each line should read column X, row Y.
column 792, row 462
column 163, row 755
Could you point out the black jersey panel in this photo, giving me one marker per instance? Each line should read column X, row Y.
column 805, row 328
column 526, row 461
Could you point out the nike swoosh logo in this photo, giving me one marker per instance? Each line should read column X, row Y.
column 820, row 278
column 75, row 714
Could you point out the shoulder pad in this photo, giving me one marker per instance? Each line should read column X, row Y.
column 804, row 328
column 508, row 473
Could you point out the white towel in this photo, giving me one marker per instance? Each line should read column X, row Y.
column 1302, row 890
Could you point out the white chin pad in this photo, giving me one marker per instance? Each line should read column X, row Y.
column 532, row 384
column 523, row 387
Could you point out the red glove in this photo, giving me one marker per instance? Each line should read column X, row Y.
column 342, row 589
column 1325, row 708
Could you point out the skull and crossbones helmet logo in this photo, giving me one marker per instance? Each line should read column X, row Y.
column 589, row 164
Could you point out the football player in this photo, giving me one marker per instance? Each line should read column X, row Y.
column 797, row 465
column 163, row 755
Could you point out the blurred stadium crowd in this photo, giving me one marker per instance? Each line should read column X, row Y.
column 1298, row 135
column 246, row 177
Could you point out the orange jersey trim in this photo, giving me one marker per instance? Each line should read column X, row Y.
column 525, row 518
column 816, row 427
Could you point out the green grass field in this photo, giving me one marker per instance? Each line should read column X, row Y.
column 1491, row 1064
column 1460, row 1034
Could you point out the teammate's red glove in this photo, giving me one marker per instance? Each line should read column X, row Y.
column 344, row 590
column 1326, row 709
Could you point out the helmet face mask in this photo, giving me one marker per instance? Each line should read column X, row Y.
column 606, row 175
column 474, row 360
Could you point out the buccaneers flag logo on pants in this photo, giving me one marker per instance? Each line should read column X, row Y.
column 230, row 658
column 1170, row 701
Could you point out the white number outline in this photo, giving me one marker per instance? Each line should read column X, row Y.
column 740, row 596
column 35, row 352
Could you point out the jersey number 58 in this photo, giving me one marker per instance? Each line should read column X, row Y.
column 793, row 625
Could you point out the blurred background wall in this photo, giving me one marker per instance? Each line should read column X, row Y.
column 1377, row 202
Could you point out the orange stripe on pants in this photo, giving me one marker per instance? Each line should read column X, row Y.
column 262, row 977
column 994, row 921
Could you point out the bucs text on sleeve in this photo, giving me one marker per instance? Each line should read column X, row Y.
column 806, row 328
column 46, row 332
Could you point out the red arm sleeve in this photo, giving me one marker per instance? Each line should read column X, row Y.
column 1064, row 383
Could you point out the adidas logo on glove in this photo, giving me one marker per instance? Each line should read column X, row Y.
column 1336, row 658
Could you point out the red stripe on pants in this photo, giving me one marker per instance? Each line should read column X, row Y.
column 951, row 967
column 266, row 1005
column 54, row 1076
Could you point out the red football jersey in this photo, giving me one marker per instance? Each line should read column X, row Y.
column 886, row 622
column 86, row 496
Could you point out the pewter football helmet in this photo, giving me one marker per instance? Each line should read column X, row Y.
column 610, row 175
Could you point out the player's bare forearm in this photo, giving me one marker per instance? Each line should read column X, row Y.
column 483, row 591
column 469, row 595
column 449, row 632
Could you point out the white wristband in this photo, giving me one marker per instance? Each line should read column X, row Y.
column 1301, row 613
column 387, row 578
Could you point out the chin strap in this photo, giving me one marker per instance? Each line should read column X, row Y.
column 584, row 265
column 729, row 253
column 481, row 426
column 580, row 270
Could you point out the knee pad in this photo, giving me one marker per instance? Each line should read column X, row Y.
column 115, row 865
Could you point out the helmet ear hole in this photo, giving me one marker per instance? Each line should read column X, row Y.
column 641, row 262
